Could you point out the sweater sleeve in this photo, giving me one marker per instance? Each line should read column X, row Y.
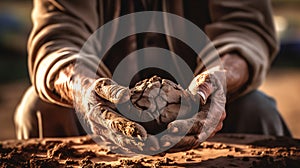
column 60, row 29
column 244, row 27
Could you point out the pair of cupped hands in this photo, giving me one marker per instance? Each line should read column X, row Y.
column 98, row 100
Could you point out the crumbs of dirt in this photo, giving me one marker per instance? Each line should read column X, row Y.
column 83, row 152
column 268, row 161
column 37, row 154
column 277, row 142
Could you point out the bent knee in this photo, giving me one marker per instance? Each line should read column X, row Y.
column 254, row 113
column 25, row 115
column 27, row 106
column 254, row 105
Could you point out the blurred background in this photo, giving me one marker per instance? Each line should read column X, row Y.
column 283, row 81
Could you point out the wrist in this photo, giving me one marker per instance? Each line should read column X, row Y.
column 68, row 83
column 236, row 71
column 62, row 83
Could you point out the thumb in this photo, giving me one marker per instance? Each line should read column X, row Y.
column 201, row 86
column 111, row 91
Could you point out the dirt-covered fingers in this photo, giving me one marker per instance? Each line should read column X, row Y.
column 147, row 145
column 151, row 144
column 187, row 126
column 111, row 91
column 111, row 120
column 201, row 85
column 208, row 120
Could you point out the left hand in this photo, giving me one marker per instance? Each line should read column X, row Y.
column 190, row 133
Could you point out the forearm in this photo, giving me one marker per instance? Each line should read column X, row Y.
column 236, row 71
column 235, row 28
column 59, row 32
column 70, row 82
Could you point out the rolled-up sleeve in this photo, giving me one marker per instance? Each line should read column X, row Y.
column 60, row 28
column 245, row 27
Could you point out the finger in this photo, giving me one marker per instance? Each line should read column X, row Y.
column 151, row 144
column 207, row 83
column 202, row 86
column 204, row 121
column 111, row 91
column 98, row 129
column 128, row 128
column 179, row 143
column 122, row 141
column 192, row 125
column 111, row 120
column 108, row 135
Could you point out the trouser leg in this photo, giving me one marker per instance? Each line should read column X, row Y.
column 254, row 113
column 56, row 121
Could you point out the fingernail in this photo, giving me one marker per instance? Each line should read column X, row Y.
column 167, row 144
column 140, row 137
column 175, row 130
column 203, row 97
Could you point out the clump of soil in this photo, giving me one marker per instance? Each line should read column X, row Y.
column 156, row 102
column 152, row 103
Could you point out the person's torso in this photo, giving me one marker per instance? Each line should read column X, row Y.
column 193, row 10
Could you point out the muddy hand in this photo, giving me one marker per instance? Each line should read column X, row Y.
column 95, row 99
column 104, row 119
column 116, row 129
column 190, row 133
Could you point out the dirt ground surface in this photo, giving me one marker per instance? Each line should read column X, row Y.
column 283, row 85
column 224, row 150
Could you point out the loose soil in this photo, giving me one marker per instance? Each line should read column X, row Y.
column 224, row 150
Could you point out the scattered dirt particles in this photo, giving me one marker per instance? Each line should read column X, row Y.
column 84, row 152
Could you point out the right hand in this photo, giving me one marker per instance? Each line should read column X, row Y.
column 99, row 103
column 96, row 100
